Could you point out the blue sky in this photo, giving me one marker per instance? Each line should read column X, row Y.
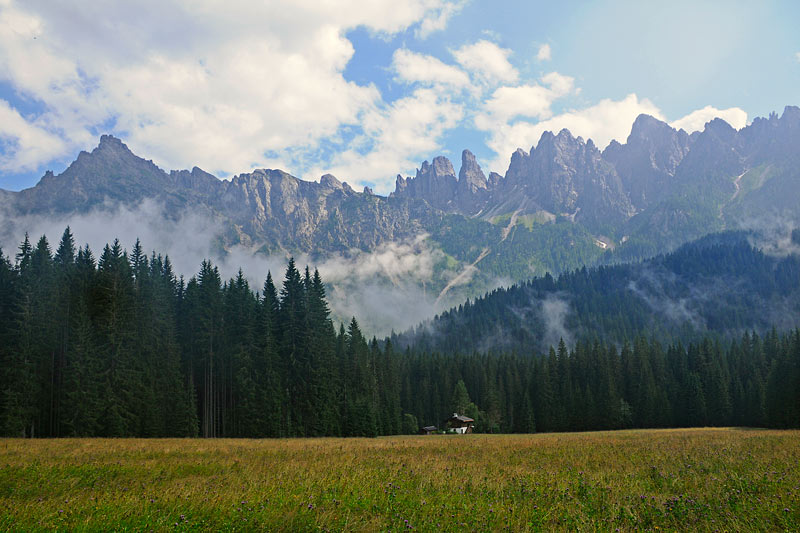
column 366, row 91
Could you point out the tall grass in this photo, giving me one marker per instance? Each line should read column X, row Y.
column 699, row 480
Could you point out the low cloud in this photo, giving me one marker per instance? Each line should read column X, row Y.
column 555, row 310
column 656, row 289
column 147, row 221
column 393, row 287
column 774, row 234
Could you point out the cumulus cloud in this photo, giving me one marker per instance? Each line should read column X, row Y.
column 420, row 68
column 234, row 86
column 532, row 101
column 29, row 142
column 438, row 18
column 696, row 120
column 394, row 137
column 222, row 86
column 544, row 53
column 487, row 62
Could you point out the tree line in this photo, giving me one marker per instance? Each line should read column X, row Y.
column 119, row 346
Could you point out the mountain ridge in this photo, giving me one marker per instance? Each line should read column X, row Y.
column 559, row 205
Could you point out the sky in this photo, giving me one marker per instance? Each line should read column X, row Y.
column 367, row 90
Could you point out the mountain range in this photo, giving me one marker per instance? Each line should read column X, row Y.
column 562, row 204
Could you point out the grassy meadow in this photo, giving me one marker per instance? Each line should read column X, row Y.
column 696, row 479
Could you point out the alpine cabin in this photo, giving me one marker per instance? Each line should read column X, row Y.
column 460, row 424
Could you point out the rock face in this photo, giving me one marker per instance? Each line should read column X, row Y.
column 649, row 174
column 566, row 176
column 646, row 164
column 472, row 189
column 435, row 182
column 662, row 186
column 563, row 175
column 265, row 207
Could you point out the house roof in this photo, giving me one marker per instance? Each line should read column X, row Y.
column 429, row 428
column 460, row 418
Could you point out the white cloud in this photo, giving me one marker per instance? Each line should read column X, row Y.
column 29, row 143
column 559, row 84
column 523, row 100
column 419, row 68
column 696, row 120
column 797, row 56
column 233, row 86
column 186, row 82
column 487, row 61
column 395, row 138
column 533, row 101
column 544, row 53
column 438, row 18
column 384, row 288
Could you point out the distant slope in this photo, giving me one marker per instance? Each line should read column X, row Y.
column 719, row 284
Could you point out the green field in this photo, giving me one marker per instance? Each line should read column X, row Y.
column 698, row 479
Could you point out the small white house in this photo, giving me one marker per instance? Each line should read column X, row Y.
column 460, row 424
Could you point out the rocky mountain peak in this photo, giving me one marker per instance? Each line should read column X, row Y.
column 471, row 176
column 791, row 114
column 399, row 186
column 647, row 127
column 564, row 135
column 719, row 127
column 441, row 166
column 518, row 167
column 435, row 182
column 647, row 162
column 657, row 137
column 519, row 155
column 111, row 147
column 330, row 181
column 110, row 142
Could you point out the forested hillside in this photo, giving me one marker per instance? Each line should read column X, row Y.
column 720, row 284
column 119, row 346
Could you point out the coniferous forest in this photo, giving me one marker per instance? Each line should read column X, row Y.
column 118, row 345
